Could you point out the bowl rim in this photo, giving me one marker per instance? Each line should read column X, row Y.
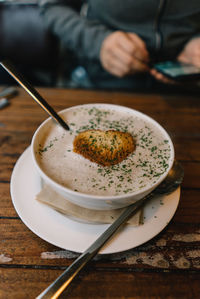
column 103, row 197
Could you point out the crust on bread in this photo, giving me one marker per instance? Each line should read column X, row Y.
column 104, row 147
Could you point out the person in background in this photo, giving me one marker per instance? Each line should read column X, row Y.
column 117, row 42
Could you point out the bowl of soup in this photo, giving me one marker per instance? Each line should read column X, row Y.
column 95, row 185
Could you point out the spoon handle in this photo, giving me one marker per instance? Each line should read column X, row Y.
column 60, row 284
column 33, row 92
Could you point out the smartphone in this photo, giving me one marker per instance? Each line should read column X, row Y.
column 177, row 70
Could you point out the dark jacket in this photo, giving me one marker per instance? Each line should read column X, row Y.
column 164, row 25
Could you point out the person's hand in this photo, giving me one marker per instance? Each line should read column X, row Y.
column 191, row 52
column 124, row 53
column 160, row 77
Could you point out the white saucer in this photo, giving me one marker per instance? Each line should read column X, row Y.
column 69, row 234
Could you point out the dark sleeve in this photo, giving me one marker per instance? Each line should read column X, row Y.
column 76, row 32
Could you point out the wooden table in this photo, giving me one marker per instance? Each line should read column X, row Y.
column 168, row 266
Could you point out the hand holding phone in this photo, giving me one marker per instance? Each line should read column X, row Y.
column 178, row 71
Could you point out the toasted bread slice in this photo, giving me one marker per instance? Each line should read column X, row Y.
column 104, row 147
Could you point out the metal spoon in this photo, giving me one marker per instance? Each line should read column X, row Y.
column 172, row 181
column 33, row 92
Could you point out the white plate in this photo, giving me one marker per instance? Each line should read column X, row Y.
column 69, row 234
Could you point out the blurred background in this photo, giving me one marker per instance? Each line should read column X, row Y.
column 27, row 43
column 38, row 54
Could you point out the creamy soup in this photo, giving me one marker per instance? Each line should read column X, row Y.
column 140, row 169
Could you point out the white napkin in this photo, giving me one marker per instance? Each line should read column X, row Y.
column 57, row 202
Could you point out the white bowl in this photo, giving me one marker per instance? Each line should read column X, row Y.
column 105, row 201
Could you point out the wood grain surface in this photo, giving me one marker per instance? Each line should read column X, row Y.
column 168, row 266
